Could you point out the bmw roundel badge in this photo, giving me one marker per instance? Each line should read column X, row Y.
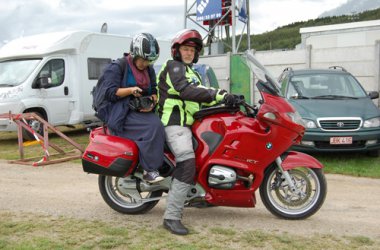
column 269, row 145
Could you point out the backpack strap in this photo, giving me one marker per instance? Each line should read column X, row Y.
column 122, row 62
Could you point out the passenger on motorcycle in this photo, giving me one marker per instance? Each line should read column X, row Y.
column 181, row 94
column 122, row 88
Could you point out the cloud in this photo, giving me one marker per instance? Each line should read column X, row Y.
column 267, row 15
column 162, row 18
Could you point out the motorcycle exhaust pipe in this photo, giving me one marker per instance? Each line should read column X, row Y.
column 248, row 180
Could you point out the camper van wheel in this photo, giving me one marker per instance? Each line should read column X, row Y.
column 36, row 125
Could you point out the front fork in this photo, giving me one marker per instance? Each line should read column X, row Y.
column 285, row 174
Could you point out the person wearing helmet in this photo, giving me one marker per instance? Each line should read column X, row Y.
column 181, row 94
column 124, row 90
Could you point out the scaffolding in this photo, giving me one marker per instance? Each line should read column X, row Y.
column 61, row 156
column 227, row 20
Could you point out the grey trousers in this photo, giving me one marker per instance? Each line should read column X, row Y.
column 176, row 200
column 179, row 140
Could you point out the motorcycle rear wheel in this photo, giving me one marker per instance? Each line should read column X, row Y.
column 122, row 195
column 282, row 202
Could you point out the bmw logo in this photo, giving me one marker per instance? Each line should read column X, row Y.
column 269, row 145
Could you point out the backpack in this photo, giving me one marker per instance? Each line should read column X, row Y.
column 99, row 102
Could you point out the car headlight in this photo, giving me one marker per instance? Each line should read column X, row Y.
column 372, row 123
column 296, row 118
column 309, row 123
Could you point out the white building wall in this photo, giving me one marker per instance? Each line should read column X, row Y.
column 221, row 66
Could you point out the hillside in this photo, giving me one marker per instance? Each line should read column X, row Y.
column 287, row 37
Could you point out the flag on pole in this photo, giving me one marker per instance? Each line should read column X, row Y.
column 242, row 7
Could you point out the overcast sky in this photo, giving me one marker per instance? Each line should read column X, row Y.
column 162, row 18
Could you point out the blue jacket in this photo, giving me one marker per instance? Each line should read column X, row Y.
column 118, row 107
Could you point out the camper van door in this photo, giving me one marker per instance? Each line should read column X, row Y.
column 53, row 89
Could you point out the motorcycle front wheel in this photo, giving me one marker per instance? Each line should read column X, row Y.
column 122, row 195
column 307, row 199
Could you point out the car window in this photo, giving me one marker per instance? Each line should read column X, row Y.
column 54, row 70
column 283, row 84
column 319, row 85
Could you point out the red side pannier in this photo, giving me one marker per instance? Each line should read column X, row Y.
column 109, row 155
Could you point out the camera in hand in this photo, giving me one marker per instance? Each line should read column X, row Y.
column 140, row 103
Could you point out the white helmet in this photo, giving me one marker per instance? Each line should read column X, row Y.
column 144, row 45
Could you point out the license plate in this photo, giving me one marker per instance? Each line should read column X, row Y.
column 340, row 140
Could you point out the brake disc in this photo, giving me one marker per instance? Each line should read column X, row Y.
column 302, row 193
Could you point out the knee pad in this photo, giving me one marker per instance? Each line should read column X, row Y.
column 185, row 171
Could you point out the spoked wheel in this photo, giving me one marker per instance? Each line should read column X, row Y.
column 122, row 195
column 304, row 201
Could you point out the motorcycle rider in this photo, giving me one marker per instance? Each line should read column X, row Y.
column 181, row 94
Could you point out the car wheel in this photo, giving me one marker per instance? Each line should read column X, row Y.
column 36, row 125
column 373, row 153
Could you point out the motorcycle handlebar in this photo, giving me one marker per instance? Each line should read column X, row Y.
column 239, row 100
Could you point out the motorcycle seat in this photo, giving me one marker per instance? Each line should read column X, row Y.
column 215, row 110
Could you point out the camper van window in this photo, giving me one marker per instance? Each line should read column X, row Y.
column 96, row 66
column 15, row 72
column 54, row 71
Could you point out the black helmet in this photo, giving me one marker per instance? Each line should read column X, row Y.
column 144, row 45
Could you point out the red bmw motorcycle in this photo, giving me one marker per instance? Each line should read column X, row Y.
column 239, row 148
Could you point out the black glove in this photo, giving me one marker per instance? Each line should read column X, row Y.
column 229, row 99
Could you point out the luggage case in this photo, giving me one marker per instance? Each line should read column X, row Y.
column 109, row 155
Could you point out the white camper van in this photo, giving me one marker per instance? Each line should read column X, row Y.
column 53, row 74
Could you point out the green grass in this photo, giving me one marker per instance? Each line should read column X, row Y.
column 353, row 164
column 31, row 231
column 9, row 144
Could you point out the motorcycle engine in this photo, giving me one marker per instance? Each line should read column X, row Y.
column 221, row 177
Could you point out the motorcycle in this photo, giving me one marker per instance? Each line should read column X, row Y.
column 239, row 148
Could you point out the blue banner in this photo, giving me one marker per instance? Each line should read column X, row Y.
column 209, row 9
column 242, row 7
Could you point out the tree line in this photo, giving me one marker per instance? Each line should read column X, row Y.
column 288, row 36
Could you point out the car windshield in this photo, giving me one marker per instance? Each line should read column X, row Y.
column 324, row 86
column 14, row 72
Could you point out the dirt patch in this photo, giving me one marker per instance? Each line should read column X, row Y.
column 351, row 207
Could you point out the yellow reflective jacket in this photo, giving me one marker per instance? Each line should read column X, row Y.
column 181, row 94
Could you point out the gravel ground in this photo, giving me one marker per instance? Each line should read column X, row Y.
column 351, row 207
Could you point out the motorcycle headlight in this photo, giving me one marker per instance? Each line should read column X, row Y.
column 296, row 118
column 372, row 123
column 309, row 123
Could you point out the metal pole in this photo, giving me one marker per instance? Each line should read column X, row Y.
column 233, row 3
column 185, row 16
column 248, row 27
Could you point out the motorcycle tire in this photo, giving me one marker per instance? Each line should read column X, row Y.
column 122, row 195
column 282, row 202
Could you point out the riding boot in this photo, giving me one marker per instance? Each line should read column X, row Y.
column 174, row 207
